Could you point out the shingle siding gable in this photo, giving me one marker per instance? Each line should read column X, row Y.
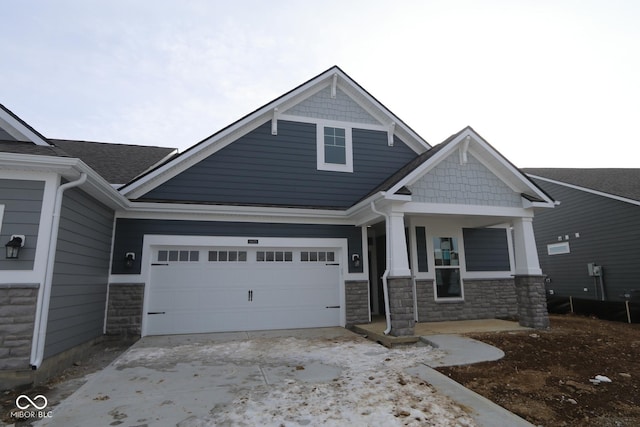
column 469, row 184
column 341, row 108
column 281, row 170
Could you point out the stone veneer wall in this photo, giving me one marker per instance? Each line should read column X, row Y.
column 401, row 306
column 483, row 299
column 532, row 301
column 124, row 310
column 357, row 302
column 17, row 317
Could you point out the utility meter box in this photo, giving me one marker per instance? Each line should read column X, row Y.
column 594, row 270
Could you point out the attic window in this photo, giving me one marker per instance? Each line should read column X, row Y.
column 334, row 149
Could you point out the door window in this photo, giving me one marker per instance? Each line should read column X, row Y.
column 447, row 266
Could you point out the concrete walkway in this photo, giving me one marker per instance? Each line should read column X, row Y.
column 458, row 350
column 181, row 389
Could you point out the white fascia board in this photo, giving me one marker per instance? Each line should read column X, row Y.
column 245, row 125
column 193, row 155
column 223, row 138
column 508, row 173
column 465, row 210
column 233, row 213
column 382, row 114
column 18, row 130
column 70, row 168
column 588, row 190
column 482, row 151
column 425, row 167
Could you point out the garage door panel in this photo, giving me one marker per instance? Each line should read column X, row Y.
column 276, row 290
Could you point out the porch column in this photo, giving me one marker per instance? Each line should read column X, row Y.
column 529, row 280
column 399, row 260
column 524, row 243
column 399, row 284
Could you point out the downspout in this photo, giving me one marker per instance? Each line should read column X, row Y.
column 42, row 310
column 385, row 288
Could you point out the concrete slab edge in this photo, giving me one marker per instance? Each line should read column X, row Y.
column 484, row 412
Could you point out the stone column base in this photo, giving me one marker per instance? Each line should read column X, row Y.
column 124, row 310
column 401, row 306
column 532, row 301
column 357, row 302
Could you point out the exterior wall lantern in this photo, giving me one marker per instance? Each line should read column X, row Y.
column 14, row 245
column 129, row 259
column 355, row 259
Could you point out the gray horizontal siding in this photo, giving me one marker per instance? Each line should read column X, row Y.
column 81, row 270
column 130, row 233
column 486, row 249
column 264, row 169
column 22, row 200
column 609, row 236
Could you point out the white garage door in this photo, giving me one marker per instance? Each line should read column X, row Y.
column 213, row 289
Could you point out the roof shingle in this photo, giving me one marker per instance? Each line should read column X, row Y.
column 618, row 182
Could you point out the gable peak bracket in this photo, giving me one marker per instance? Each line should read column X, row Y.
column 464, row 148
column 274, row 122
column 334, row 86
column 390, row 132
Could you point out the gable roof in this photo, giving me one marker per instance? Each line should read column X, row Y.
column 117, row 163
column 333, row 76
column 468, row 139
column 617, row 182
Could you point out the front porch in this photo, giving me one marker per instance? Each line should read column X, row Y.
column 375, row 330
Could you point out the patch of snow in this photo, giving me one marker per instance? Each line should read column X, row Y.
column 371, row 387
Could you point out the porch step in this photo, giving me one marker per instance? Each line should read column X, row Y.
column 386, row 340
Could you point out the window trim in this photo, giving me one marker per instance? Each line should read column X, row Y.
column 348, row 132
column 558, row 248
column 461, row 271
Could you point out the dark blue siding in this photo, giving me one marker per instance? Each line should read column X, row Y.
column 81, row 271
column 609, row 236
column 263, row 169
column 22, row 202
column 486, row 249
column 130, row 233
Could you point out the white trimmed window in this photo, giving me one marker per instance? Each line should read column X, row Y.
column 558, row 248
column 334, row 147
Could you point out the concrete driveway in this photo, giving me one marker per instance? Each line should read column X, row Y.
column 327, row 376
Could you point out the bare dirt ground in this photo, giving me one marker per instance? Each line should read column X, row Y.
column 544, row 376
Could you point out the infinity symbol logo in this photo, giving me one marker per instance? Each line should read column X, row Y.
column 30, row 402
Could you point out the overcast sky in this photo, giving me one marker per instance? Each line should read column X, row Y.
column 547, row 83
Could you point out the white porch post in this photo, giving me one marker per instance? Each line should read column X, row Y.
column 398, row 246
column 524, row 243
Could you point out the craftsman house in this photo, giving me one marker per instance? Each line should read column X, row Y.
column 319, row 208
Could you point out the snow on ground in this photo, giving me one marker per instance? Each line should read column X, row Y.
column 372, row 388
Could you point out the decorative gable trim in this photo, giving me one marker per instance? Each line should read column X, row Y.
column 468, row 142
column 332, row 77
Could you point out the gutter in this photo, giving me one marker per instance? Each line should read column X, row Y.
column 42, row 310
column 385, row 287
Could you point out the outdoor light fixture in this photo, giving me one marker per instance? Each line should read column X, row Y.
column 355, row 258
column 14, row 245
column 129, row 258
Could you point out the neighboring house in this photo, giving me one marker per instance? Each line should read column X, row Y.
column 320, row 208
column 597, row 224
